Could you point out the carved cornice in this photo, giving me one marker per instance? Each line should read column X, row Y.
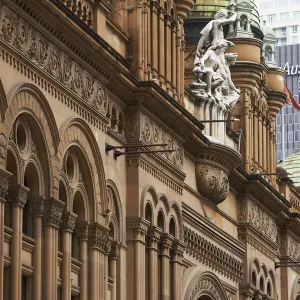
column 198, row 247
column 4, row 183
column 53, row 209
column 51, row 60
column 98, row 237
column 17, row 195
column 68, row 221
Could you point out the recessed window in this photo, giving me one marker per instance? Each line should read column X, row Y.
column 296, row 118
column 278, row 120
column 70, row 167
column 295, row 28
column 278, row 138
column 296, row 14
column 290, row 137
column 290, row 119
column 278, row 155
column 271, row 18
column 296, row 136
column 284, row 16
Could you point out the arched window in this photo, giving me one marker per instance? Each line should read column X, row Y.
column 261, row 283
column 253, row 279
column 268, row 53
column 269, row 290
column 160, row 220
column 172, row 227
column 148, row 213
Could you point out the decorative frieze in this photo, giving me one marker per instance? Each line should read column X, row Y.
column 50, row 59
column 17, row 195
column 209, row 254
column 250, row 212
column 4, row 183
column 98, row 237
column 68, row 221
column 53, row 209
column 140, row 128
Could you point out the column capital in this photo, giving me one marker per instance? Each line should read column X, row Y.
column 82, row 230
column 4, row 183
column 53, row 209
column 17, row 195
column 36, row 206
column 154, row 233
column 139, row 225
column 166, row 240
column 98, row 236
column 178, row 247
column 115, row 250
column 68, row 221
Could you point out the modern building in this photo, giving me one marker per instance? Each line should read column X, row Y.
column 284, row 17
column 83, row 220
column 288, row 58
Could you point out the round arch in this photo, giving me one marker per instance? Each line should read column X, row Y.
column 77, row 132
column 148, row 190
column 203, row 284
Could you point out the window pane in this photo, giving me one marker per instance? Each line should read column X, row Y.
column 296, row 135
column 285, row 136
column 296, row 118
column 278, row 120
column 284, row 119
column 290, row 119
column 290, row 137
column 278, row 155
column 278, row 137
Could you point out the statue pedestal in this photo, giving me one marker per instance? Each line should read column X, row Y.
column 210, row 109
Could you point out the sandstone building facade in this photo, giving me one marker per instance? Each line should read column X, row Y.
column 80, row 222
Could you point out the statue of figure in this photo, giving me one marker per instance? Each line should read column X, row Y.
column 229, row 90
column 209, row 64
column 212, row 77
column 213, row 31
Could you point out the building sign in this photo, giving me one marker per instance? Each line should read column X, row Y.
column 291, row 69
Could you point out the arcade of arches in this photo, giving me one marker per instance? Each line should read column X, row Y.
column 80, row 220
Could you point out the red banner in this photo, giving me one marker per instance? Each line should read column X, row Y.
column 290, row 99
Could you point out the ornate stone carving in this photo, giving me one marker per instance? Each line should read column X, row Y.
column 82, row 230
column 115, row 250
column 49, row 58
column 36, row 206
column 141, row 128
column 154, row 234
column 178, row 247
column 4, row 183
column 98, row 236
column 53, row 209
column 212, row 78
column 204, row 286
column 261, row 221
column 17, row 195
column 212, row 182
column 68, row 221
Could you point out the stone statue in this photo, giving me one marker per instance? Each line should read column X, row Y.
column 212, row 77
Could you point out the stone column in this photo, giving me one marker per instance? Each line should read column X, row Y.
column 153, row 234
column 161, row 37
column 174, row 62
column 176, row 269
column 154, row 45
column 98, row 236
column 136, row 232
column 36, row 206
column 53, row 209
column 113, row 257
column 166, row 244
column 4, row 183
column 67, row 227
column 82, row 233
column 168, row 52
column 17, row 196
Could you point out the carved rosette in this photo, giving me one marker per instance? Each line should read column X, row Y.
column 53, row 209
column 68, row 221
column 4, row 183
column 212, row 171
column 17, row 195
column 98, row 237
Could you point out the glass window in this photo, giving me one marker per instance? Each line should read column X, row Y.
column 285, row 136
column 296, row 14
column 296, row 116
column 278, row 120
column 283, row 42
column 284, row 119
column 296, row 134
column 290, row 119
column 295, row 28
column 278, row 137
column 271, row 18
column 284, row 16
column 294, row 39
column 290, row 136
column 290, row 152
column 278, row 154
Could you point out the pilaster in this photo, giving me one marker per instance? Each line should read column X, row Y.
column 113, row 257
